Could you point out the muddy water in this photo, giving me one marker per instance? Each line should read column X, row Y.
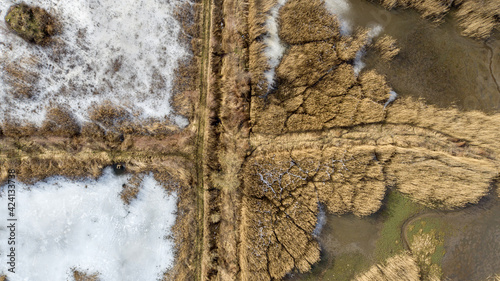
column 435, row 62
column 438, row 64
column 348, row 246
column 472, row 246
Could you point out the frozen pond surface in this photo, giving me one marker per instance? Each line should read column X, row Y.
column 125, row 52
column 63, row 224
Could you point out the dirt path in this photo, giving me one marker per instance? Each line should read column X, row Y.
column 201, row 129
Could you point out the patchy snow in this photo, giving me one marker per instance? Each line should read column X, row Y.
column 321, row 221
column 124, row 51
column 64, row 224
column 274, row 48
column 373, row 31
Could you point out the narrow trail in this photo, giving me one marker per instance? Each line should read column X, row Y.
column 200, row 138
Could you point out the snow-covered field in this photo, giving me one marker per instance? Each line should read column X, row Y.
column 124, row 51
column 63, row 224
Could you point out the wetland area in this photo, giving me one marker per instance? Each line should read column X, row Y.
column 254, row 140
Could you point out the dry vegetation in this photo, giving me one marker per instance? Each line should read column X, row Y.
column 62, row 146
column 422, row 248
column 325, row 136
column 478, row 19
column 81, row 276
column 33, row 24
column 131, row 189
column 18, row 76
column 225, row 139
column 398, row 268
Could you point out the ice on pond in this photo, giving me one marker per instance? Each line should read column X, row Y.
column 63, row 224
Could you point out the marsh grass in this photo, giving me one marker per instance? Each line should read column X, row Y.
column 60, row 122
column 131, row 189
column 426, row 239
column 400, row 267
column 477, row 19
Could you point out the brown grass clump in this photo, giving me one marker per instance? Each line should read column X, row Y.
column 430, row 9
column 33, row 24
column 441, row 181
column 60, row 122
column 397, row 268
column 348, row 46
column 131, row 189
column 282, row 191
column 3, row 278
column 318, row 88
column 477, row 18
column 92, row 131
column 423, row 247
column 108, row 115
column 386, row 46
column 295, row 65
column 81, row 276
column 306, row 21
column 327, row 136
column 15, row 129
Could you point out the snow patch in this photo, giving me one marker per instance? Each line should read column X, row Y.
column 341, row 9
column 274, row 48
column 392, row 97
column 373, row 31
column 124, row 51
column 321, row 221
column 63, row 224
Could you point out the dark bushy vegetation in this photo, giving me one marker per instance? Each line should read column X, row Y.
column 33, row 24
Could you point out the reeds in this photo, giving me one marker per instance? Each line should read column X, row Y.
column 477, row 18
column 401, row 267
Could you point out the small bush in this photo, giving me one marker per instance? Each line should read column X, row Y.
column 33, row 24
